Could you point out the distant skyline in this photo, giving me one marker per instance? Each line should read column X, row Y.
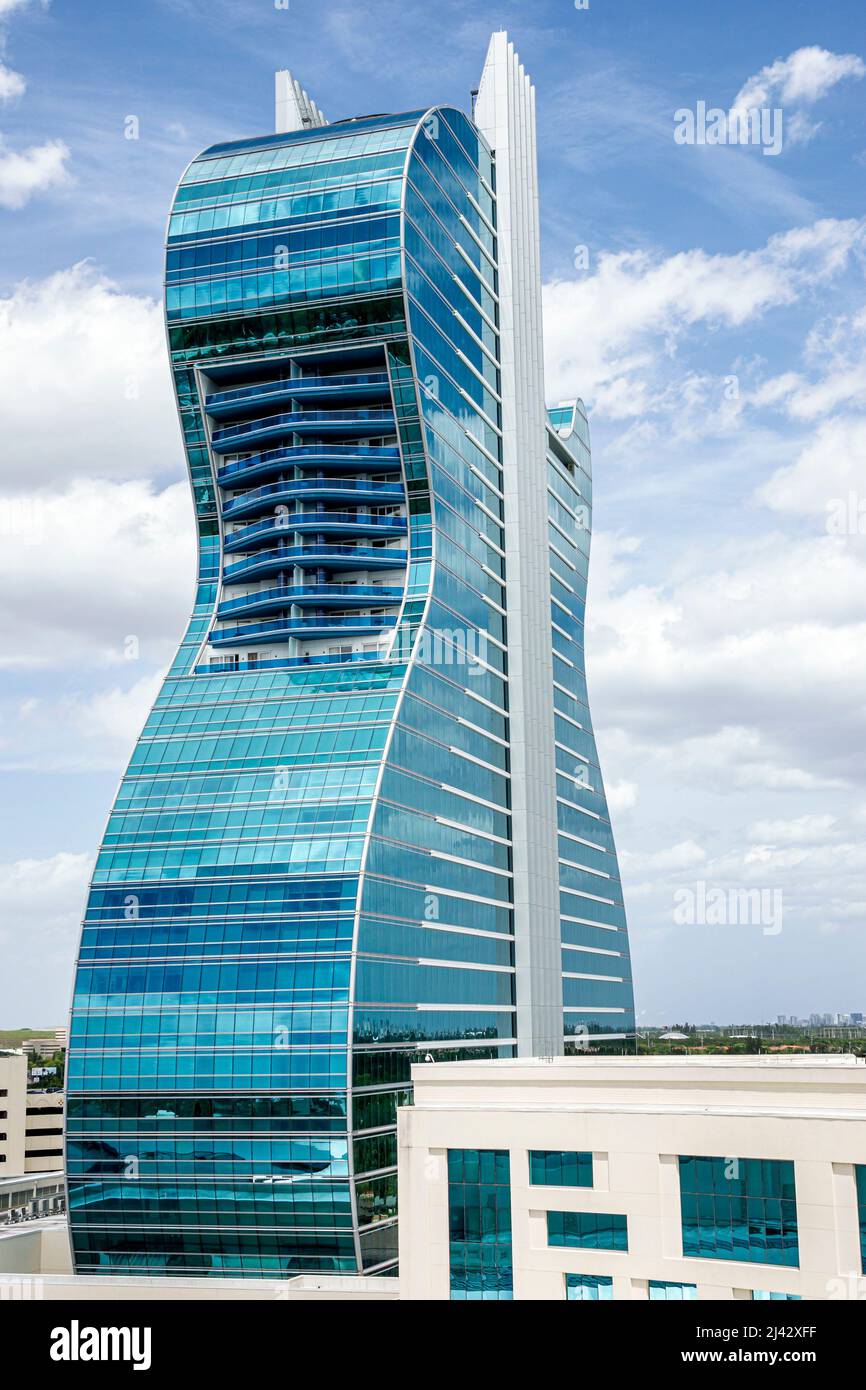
column 699, row 1023
column 706, row 301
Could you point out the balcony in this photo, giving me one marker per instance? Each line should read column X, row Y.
column 357, row 386
column 323, row 523
column 337, row 458
column 312, row 596
column 332, row 557
column 285, row 663
column 235, row 438
column 353, row 490
column 281, row 629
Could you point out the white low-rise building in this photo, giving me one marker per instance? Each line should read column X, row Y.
column 668, row 1178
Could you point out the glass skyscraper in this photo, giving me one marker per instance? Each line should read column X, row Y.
column 364, row 823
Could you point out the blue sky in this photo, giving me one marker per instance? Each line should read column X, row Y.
column 715, row 323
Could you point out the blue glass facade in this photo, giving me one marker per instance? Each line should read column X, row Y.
column 479, row 1223
column 587, row 1230
column 306, row 880
column 739, row 1209
column 663, row 1291
column 588, row 1288
column 554, row 1168
column 598, row 1000
column 764, row 1296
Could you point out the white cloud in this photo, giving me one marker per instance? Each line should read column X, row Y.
column 799, row 80
column 799, row 129
column 806, row 400
column 24, row 173
column 43, row 902
column 803, row 830
column 78, row 732
column 110, row 401
column 621, row 796
column 7, row 7
column 36, row 889
column 636, row 308
column 804, row 77
column 116, row 716
column 37, row 168
column 12, row 84
column 744, row 668
column 777, row 390
column 835, row 350
column 831, row 465
column 92, row 566
column 818, row 857
column 686, row 855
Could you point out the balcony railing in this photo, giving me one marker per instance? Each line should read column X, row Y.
column 315, row 557
column 298, row 386
column 317, row 595
column 345, row 457
column 253, row 500
column 234, row 437
column 301, row 627
column 299, row 522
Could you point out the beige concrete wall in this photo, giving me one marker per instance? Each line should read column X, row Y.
column 13, row 1079
column 20, row 1252
column 23, row 1153
column 43, row 1153
column 56, row 1253
column 35, row 1248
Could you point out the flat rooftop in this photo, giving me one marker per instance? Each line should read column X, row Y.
column 16, row 1180
column 575, row 1065
column 822, row 1086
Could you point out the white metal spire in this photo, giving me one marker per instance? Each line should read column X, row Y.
column 295, row 110
column 505, row 115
